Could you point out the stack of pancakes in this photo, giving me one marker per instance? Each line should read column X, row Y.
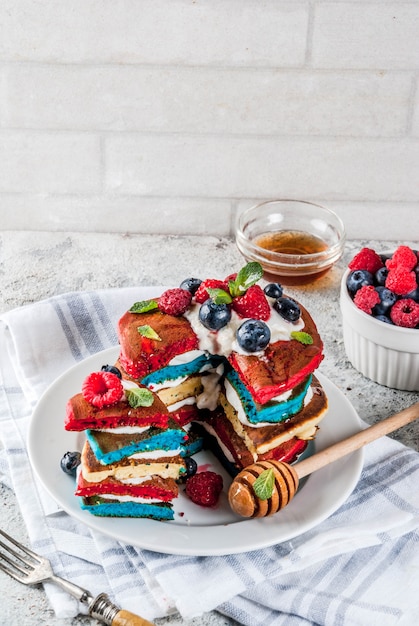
column 252, row 406
column 132, row 458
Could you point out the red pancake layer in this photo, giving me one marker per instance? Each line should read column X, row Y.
column 80, row 415
column 164, row 489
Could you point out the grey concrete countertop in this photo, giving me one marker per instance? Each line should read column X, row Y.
column 36, row 265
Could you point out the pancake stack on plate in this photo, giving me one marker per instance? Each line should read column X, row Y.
column 226, row 364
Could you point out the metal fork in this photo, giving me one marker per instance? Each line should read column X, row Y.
column 30, row 568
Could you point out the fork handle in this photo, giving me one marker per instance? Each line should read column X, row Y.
column 105, row 611
column 125, row 618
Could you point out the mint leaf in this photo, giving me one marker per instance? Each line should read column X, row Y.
column 144, row 306
column 147, row 331
column 139, row 397
column 219, row 296
column 247, row 276
column 264, row 484
column 302, row 337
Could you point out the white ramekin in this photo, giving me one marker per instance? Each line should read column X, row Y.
column 387, row 354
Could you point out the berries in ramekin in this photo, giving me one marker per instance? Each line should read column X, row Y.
column 386, row 286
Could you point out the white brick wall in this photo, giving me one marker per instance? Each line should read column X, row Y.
column 171, row 116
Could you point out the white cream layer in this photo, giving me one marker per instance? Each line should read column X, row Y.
column 124, row 430
column 111, row 496
column 212, row 432
column 186, row 357
column 155, row 454
column 167, row 384
column 178, row 405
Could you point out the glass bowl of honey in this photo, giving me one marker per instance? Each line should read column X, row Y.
column 296, row 242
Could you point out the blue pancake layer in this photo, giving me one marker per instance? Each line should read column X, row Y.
column 192, row 446
column 161, row 511
column 172, row 372
column 167, row 440
column 272, row 412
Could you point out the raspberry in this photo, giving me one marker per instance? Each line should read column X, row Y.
column 202, row 294
column 253, row 304
column 366, row 259
column 403, row 257
column 401, row 281
column 175, row 301
column 405, row 313
column 366, row 298
column 204, row 488
column 102, row 389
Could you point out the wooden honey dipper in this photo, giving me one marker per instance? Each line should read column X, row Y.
column 243, row 499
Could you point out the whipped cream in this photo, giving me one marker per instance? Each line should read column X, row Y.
column 224, row 342
column 208, row 398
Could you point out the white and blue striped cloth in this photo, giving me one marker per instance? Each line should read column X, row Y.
column 360, row 566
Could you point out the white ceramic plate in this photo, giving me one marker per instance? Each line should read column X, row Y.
column 195, row 530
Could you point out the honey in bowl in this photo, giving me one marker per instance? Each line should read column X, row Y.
column 291, row 242
column 296, row 243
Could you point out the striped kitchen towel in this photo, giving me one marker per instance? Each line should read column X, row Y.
column 360, row 566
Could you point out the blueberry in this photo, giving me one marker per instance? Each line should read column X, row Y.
column 253, row 335
column 214, row 316
column 414, row 295
column 358, row 279
column 191, row 285
column 387, row 299
column 385, row 257
column 273, row 290
column 70, row 462
column 380, row 276
column 112, row 369
column 191, row 466
column 288, row 309
column 383, row 318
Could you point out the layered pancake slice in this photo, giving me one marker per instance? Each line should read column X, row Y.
column 263, row 439
column 243, row 443
column 82, row 415
column 131, row 487
column 132, row 456
column 252, row 413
